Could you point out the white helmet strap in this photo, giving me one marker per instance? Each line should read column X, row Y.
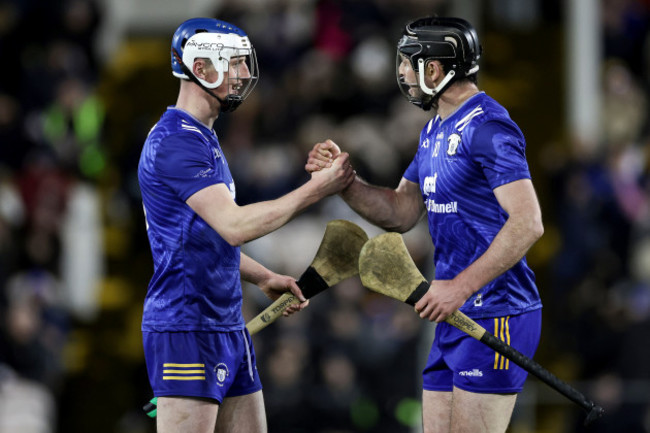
column 219, row 48
column 428, row 90
column 208, row 84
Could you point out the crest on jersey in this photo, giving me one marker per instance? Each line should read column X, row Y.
column 454, row 141
column 222, row 373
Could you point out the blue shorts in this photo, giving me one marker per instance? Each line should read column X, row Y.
column 458, row 360
column 201, row 364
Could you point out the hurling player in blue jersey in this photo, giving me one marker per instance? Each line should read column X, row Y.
column 470, row 178
column 199, row 356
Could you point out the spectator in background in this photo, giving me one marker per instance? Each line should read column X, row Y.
column 470, row 176
column 196, row 228
column 15, row 145
column 73, row 128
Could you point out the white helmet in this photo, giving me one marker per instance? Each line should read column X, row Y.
column 220, row 42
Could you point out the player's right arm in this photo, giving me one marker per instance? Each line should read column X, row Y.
column 240, row 224
column 194, row 172
column 396, row 209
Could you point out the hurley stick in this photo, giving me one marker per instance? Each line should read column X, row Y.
column 386, row 267
column 337, row 259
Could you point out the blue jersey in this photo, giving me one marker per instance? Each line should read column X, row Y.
column 459, row 162
column 196, row 280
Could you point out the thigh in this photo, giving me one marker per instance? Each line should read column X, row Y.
column 480, row 413
column 242, row 414
column 186, row 414
column 436, row 411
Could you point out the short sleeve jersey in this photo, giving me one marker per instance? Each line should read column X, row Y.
column 458, row 164
column 196, row 280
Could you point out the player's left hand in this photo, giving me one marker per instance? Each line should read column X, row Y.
column 277, row 284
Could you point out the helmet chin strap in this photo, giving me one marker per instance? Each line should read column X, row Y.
column 227, row 105
column 440, row 87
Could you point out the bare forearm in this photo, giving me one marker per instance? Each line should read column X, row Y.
column 383, row 207
column 258, row 219
column 272, row 284
column 252, row 271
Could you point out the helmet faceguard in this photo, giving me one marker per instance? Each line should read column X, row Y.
column 221, row 43
column 451, row 41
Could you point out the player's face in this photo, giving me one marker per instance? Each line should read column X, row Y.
column 407, row 75
column 236, row 78
column 238, row 73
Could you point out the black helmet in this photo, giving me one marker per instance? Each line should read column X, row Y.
column 451, row 41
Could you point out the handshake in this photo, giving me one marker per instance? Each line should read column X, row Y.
column 330, row 168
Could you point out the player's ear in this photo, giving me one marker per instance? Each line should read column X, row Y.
column 200, row 68
column 434, row 70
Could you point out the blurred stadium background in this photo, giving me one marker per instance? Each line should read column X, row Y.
column 82, row 82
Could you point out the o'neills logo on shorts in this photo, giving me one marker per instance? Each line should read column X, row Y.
column 472, row 373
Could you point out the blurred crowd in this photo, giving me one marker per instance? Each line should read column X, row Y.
column 75, row 261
